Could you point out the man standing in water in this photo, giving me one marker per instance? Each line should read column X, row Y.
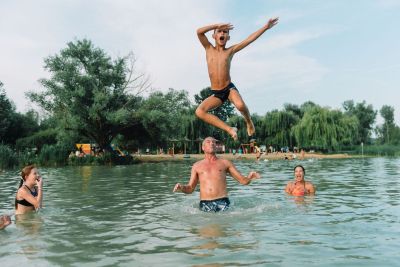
column 211, row 173
column 219, row 63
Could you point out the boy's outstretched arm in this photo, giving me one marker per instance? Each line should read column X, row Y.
column 271, row 23
column 201, row 32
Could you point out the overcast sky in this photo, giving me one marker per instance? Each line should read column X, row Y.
column 323, row 51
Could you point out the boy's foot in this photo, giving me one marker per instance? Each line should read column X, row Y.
column 233, row 133
column 250, row 128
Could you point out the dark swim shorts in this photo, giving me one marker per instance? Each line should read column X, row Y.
column 220, row 204
column 223, row 94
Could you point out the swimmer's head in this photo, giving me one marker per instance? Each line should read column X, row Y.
column 209, row 144
column 299, row 172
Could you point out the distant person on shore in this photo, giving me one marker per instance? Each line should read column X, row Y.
column 211, row 174
column 4, row 221
column 30, row 194
column 299, row 187
column 219, row 62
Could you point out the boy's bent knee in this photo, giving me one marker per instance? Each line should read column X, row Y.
column 200, row 112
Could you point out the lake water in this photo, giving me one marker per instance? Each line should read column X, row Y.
column 128, row 216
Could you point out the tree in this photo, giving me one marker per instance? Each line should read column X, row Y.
column 89, row 93
column 161, row 115
column 7, row 109
column 366, row 116
column 387, row 130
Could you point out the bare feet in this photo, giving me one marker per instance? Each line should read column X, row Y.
column 250, row 128
column 233, row 133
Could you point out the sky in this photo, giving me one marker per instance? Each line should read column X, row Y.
column 321, row 51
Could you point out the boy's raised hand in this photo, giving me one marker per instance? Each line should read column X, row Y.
column 272, row 22
column 225, row 26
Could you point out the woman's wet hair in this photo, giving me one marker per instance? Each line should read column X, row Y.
column 24, row 172
column 301, row 166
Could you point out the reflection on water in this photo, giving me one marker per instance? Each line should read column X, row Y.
column 128, row 216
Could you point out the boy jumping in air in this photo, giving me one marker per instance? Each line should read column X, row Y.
column 219, row 62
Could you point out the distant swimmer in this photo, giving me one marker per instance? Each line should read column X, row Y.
column 211, row 174
column 30, row 194
column 4, row 221
column 299, row 187
column 219, row 62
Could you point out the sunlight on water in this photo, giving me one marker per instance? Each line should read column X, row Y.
column 128, row 216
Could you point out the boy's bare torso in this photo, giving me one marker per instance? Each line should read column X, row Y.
column 219, row 64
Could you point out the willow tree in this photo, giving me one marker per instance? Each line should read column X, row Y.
column 325, row 129
column 90, row 93
column 277, row 128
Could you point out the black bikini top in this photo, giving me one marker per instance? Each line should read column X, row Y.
column 24, row 202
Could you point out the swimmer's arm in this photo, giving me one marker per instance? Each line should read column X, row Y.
column 239, row 177
column 311, row 189
column 35, row 201
column 288, row 188
column 191, row 186
column 252, row 37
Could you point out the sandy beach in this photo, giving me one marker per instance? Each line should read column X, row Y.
column 270, row 156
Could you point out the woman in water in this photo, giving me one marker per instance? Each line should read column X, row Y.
column 29, row 195
column 299, row 187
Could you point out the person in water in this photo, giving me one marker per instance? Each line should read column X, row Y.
column 211, row 174
column 299, row 187
column 219, row 62
column 4, row 221
column 30, row 194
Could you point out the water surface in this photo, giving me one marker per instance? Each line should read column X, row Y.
column 128, row 216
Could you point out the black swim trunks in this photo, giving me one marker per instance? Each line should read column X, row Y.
column 224, row 93
column 220, row 204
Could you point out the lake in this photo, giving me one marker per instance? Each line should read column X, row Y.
column 128, row 216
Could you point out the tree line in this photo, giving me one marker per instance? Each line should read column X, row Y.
column 93, row 98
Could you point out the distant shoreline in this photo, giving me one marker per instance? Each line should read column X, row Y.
column 273, row 156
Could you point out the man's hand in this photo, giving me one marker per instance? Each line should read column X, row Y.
column 253, row 175
column 177, row 188
column 4, row 221
column 272, row 22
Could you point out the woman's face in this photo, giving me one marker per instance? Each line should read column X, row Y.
column 32, row 177
column 299, row 174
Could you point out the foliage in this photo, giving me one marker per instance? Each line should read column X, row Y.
column 8, row 157
column 366, row 116
column 89, row 93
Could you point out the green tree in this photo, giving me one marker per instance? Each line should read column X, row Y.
column 277, row 128
column 91, row 94
column 7, row 109
column 161, row 115
column 387, row 130
column 325, row 129
column 366, row 116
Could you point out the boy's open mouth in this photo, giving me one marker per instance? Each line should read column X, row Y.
column 221, row 38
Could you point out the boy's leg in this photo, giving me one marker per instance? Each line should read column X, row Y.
column 238, row 102
column 208, row 104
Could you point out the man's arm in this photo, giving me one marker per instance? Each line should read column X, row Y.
column 239, row 177
column 201, row 32
column 271, row 23
column 191, row 186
